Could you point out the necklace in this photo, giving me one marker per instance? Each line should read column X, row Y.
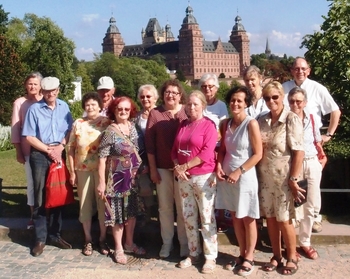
column 187, row 152
column 124, row 134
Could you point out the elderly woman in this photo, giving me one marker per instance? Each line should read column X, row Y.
column 278, row 172
column 147, row 96
column 20, row 107
column 253, row 80
column 83, row 160
column 312, row 168
column 162, row 124
column 119, row 158
column 194, row 160
column 215, row 110
column 240, row 150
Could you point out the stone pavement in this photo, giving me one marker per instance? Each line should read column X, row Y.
column 333, row 245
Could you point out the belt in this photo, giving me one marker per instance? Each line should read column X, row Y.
column 53, row 144
column 309, row 158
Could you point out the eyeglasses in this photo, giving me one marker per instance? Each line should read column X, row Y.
column 302, row 69
column 145, row 96
column 298, row 102
column 210, row 86
column 268, row 98
column 168, row 92
column 124, row 109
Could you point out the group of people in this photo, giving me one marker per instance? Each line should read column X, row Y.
column 192, row 153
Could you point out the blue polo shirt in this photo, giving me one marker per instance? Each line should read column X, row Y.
column 47, row 125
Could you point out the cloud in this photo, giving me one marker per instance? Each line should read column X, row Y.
column 210, row 35
column 316, row 27
column 85, row 53
column 89, row 18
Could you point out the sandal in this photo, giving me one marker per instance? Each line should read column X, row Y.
column 244, row 270
column 269, row 267
column 310, row 252
column 209, row 266
column 103, row 248
column 289, row 269
column 189, row 261
column 233, row 264
column 134, row 249
column 87, row 249
column 120, row 257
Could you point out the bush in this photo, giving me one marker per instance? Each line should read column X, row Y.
column 5, row 138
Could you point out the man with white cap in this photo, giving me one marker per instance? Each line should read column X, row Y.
column 105, row 88
column 46, row 127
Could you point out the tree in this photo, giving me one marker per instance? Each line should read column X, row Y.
column 329, row 55
column 180, row 75
column 3, row 20
column 11, row 78
column 81, row 71
column 44, row 48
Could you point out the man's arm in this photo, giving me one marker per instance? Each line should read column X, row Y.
column 333, row 124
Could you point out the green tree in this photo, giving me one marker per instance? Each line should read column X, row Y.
column 180, row 75
column 11, row 78
column 86, row 84
column 3, row 20
column 328, row 53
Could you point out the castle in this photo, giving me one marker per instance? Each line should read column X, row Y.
column 191, row 53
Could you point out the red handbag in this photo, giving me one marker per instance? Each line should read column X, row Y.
column 59, row 191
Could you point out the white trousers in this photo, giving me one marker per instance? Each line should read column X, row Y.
column 168, row 192
column 312, row 171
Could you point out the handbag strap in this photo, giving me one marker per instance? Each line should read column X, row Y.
column 313, row 127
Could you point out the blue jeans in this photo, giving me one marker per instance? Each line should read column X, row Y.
column 40, row 164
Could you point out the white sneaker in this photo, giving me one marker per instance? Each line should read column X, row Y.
column 165, row 251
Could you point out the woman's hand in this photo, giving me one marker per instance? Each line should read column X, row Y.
column 220, row 174
column 296, row 190
column 180, row 171
column 155, row 176
column 101, row 188
column 73, row 178
column 234, row 176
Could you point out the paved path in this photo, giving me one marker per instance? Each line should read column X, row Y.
column 16, row 262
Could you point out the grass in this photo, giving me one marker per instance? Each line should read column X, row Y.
column 14, row 196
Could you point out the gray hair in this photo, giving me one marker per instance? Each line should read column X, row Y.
column 250, row 70
column 33, row 75
column 297, row 90
column 206, row 77
column 150, row 88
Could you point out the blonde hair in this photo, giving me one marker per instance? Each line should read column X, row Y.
column 273, row 85
column 200, row 96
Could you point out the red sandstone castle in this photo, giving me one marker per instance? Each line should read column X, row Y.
column 190, row 53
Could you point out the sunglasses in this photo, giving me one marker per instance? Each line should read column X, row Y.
column 124, row 109
column 268, row 98
column 145, row 96
column 298, row 102
column 211, row 86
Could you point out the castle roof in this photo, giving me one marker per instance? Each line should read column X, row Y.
column 141, row 50
column 211, row 46
column 153, row 26
column 112, row 26
column 238, row 26
column 189, row 19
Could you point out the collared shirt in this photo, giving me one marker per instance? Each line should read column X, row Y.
column 309, row 146
column 47, row 125
column 258, row 110
column 319, row 100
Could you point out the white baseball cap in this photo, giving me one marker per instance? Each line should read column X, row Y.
column 50, row 83
column 105, row 83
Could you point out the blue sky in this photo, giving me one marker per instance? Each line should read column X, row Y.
column 284, row 22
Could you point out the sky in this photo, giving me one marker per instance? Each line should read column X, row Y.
column 283, row 22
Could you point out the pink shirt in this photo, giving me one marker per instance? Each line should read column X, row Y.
column 193, row 139
column 20, row 107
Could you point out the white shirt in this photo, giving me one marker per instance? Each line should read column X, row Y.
column 216, row 112
column 319, row 100
column 260, row 109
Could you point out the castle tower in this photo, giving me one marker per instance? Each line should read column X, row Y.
column 267, row 49
column 240, row 41
column 153, row 33
column 190, row 45
column 113, row 41
column 169, row 37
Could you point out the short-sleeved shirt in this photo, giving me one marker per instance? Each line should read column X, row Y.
column 20, row 108
column 258, row 110
column 216, row 112
column 85, row 138
column 160, row 134
column 309, row 136
column 196, row 139
column 319, row 100
column 47, row 125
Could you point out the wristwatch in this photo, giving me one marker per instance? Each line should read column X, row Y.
column 242, row 169
column 292, row 178
column 329, row 135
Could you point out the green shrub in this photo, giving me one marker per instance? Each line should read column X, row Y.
column 5, row 138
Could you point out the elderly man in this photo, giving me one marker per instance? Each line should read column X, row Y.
column 320, row 102
column 105, row 88
column 46, row 127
